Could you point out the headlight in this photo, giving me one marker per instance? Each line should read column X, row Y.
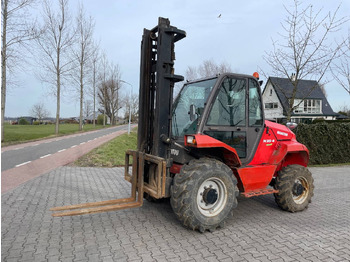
column 191, row 140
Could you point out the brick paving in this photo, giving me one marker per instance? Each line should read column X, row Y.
column 258, row 231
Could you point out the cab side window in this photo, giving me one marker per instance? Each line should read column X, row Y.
column 255, row 113
column 230, row 104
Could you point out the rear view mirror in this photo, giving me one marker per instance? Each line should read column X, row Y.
column 193, row 115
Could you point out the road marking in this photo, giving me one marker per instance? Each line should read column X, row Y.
column 35, row 145
column 82, row 143
column 17, row 148
column 59, row 151
column 73, row 146
column 23, row 164
column 45, row 156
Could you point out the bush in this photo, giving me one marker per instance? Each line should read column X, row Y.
column 23, row 121
column 327, row 143
column 36, row 123
column 100, row 119
column 321, row 120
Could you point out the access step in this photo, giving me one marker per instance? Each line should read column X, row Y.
column 259, row 192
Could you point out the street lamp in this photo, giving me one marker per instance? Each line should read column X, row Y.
column 129, row 104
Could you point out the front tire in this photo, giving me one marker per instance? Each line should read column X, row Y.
column 204, row 194
column 296, row 188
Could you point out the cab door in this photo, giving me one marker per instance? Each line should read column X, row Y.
column 235, row 117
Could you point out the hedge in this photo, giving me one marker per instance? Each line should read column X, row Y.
column 327, row 143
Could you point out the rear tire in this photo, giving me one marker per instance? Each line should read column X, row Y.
column 204, row 194
column 296, row 188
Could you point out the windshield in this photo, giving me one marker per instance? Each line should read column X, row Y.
column 195, row 94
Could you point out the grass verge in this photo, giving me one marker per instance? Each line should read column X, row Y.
column 15, row 134
column 111, row 154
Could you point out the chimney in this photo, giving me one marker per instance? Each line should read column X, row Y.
column 293, row 77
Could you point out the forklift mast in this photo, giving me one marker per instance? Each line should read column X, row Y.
column 157, row 80
column 151, row 162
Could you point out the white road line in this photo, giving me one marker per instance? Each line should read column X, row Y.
column 23, row 164
column 73, row 146
column 17, row 148
column 35, row 145
column 82, row 143
column 45, row 156
column 59, row 151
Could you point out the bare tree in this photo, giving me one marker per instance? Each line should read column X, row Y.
column 206, row 69
column 95, row 69
column 341, row 70
column 16, row 32
column 108, row 94
column 39, row 111
column 88, row 108
column 131, row 104
column 55, row 46
column 83, row 53
column 305, row 50
column 102, row 90
column 345, row 110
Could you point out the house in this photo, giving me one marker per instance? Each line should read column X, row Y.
column 276, row 97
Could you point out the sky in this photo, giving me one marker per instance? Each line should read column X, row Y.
column 239, row 37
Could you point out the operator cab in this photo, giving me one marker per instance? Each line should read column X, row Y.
column 227, row 107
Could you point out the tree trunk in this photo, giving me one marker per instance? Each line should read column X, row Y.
column 3, row 67
column 94, row 87
column 58, row 75
column 81, row 96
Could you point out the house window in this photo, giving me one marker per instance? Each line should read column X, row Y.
column 308, row 106
column 271, row 105
column 270, row 92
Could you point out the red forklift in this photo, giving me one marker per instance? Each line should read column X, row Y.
column 207, row 146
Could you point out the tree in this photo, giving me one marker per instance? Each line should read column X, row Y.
column 108, row 94
column 206, row 69
column 55, row 46
column 88, row 108
column 83, row 54
column 17, row 30
column 104, row 69
column 131, row 106
column 39, row 111
column 341, row 70
column 305, row 49
column 95, row 65
column 344, row 110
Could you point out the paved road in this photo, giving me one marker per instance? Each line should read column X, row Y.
column 258, row 231
column 25, row 153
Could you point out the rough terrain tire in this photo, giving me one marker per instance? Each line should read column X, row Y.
column 204, row 194
column 296, row 188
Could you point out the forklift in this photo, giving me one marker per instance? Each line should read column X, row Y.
column 206, row 147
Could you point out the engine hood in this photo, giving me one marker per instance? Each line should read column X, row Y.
column 280, row 131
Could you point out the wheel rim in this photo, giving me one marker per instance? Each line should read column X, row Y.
column 211, row 197
column 300, row 190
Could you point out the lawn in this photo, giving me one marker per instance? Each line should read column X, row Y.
column 111, row 154
column 22, row 133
